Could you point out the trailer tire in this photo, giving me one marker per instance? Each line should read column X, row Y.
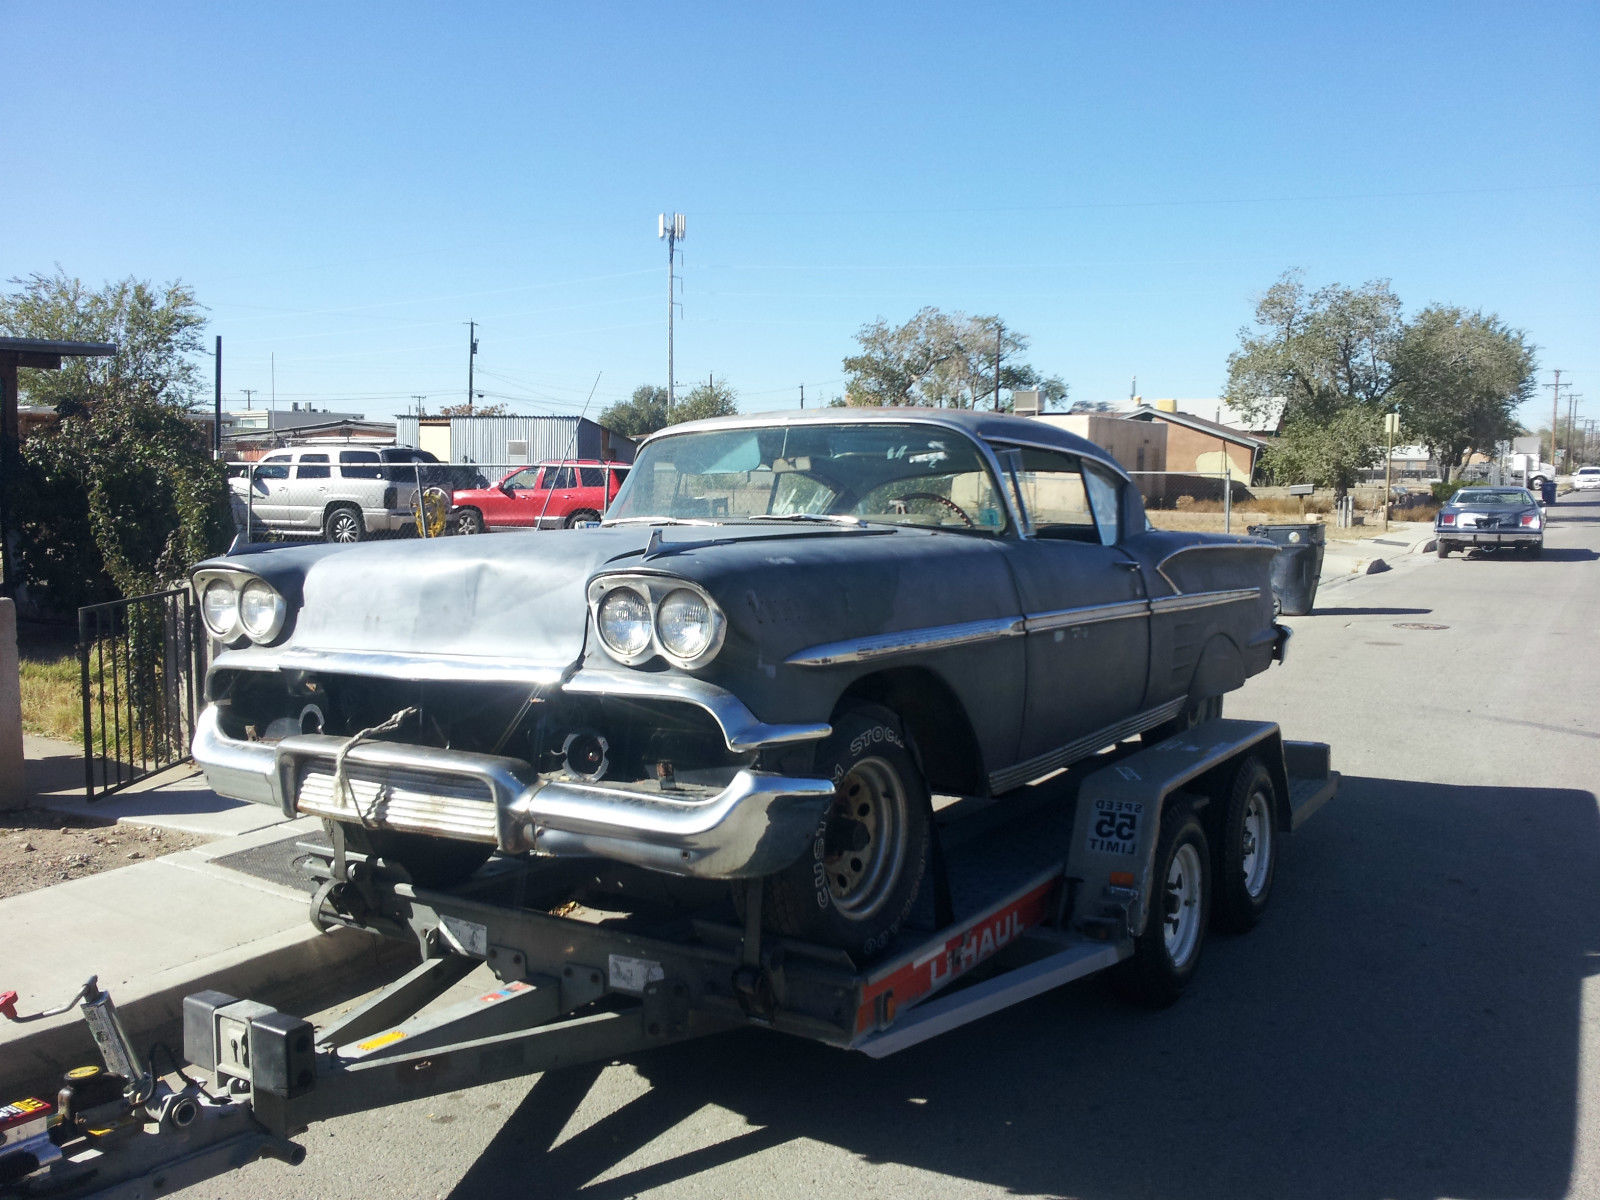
column 1247, row 848
column 858, row 879
column 1167, row 952
column 432, row 862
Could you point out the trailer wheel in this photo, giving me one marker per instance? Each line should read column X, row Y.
column 1247, row 853
column 858, row 880
column 432, row 862
column 1166, row 954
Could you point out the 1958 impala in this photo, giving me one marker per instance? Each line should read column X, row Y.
column 785, row 633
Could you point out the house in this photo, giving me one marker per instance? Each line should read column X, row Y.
column 1196, row 445
column 507, row 441
column 1137, row 445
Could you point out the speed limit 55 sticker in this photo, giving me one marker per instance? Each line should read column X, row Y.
column 1114, row 826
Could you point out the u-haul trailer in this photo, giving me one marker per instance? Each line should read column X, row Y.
column 1121, row 864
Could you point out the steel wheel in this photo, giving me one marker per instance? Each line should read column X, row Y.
column 1182, row 915
column 1256, row 860
column 865, row 843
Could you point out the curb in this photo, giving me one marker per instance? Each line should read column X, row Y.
column 288, row 968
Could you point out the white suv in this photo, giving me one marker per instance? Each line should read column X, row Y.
column 1585, row 478
column 344, row 493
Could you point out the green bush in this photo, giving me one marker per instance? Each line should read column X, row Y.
column 1443, row 491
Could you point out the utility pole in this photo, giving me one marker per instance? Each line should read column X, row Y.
column 216, row 438
column 248, row 392
column 1555, row 416
column 1572, row 405
column 802, row 396
column 999, row 334
column 672, row 229
column 419, row 400
column 472, row 354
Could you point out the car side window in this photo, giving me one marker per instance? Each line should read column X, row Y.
column 1057, row 499
column 592, row 477
column 359, row 464
column 558, row 477
column 1104, row 496
column 312, row 466
column 526, row 478
column 272, row 469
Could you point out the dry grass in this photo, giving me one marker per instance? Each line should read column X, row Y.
column 52, row 697
column 1258, row 506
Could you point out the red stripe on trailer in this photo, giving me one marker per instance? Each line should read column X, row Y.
column 930, row 970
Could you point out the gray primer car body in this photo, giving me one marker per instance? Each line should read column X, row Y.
column 1003, row 655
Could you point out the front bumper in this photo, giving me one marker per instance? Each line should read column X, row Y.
column 755, row 825
column 1473, row 536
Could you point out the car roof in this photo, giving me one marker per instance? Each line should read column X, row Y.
column 985, row 426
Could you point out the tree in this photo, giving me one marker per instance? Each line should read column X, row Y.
column 942, row 360
column 156, row 331
column 1329, row 357
column 1459, row 379
column 475, row 410
column 121, row 494
column 710, row 399
column 646, row 410
column 642, row 413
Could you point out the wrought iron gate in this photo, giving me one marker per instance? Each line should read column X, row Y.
column 138, row 662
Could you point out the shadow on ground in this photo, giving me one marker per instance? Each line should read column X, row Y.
column 1404, row 1023
column 1368, row 612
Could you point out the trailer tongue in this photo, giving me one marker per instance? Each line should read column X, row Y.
column 1111, row 866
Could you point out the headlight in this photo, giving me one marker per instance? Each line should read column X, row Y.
column 623, row 618
column 219, row 606
column 684, row 624
column 261, row 610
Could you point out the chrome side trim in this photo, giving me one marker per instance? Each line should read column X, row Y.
column 1089, row 614
column 740, row 728
column 908, row 641
column 1183, row 602
column 424, row 668
column 1020, row 773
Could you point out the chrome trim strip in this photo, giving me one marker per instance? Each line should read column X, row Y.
column 1185, row 601
column 740, row 728
column 1088, row 614
column 908, row 641
column 1020, row 773
column 424, row 668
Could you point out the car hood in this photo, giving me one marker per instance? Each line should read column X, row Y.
column 514, row 595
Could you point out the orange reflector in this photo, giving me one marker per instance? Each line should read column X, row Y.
column 1121, row 878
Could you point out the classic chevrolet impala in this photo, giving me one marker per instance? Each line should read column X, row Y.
column 786, row 632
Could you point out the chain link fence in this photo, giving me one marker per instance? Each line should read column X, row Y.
column 329, row 495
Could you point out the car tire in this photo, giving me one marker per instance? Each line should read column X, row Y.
column 1194, row 712
column 1247, row 848
column 1167, row 953
column 579, row 517
column 469, row 522
column 343, row 523
column 858, row 879
column 432, row 862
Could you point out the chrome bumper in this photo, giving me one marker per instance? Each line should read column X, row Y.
column 757, row 824
column 1487, row 537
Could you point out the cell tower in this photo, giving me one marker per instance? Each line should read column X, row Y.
column 670, row 227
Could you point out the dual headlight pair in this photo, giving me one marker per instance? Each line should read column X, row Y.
column 640, row 616
column 231, row 605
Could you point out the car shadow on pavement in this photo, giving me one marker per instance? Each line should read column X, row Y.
column 1405, row 1022
column 1568, row 554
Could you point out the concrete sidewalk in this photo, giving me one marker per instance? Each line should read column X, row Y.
column 157, row 930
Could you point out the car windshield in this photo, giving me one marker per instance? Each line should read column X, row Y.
column 899, row 474
column 1494, row 497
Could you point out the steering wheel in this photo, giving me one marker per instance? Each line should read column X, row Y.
column 944, row 500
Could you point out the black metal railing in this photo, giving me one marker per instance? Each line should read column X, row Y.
column 138, row 661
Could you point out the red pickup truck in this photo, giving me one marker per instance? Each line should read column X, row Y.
column 548, row 495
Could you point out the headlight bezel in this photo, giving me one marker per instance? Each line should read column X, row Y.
column 237, row 633
column 653, row 590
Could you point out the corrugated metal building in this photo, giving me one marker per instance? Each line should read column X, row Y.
column 512, row 439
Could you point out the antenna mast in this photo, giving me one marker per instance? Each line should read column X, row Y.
column 670, row 227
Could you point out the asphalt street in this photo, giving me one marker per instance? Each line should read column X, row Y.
column 1416, row 1017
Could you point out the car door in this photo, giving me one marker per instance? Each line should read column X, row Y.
column 556, row 496
column 307, row 490
column 509, row 505
column 1086, row 615
column 269, row 488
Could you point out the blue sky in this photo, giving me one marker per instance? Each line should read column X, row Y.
column 345, row 185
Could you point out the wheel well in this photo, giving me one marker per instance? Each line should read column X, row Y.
column 328, row 508
column 946, row 746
